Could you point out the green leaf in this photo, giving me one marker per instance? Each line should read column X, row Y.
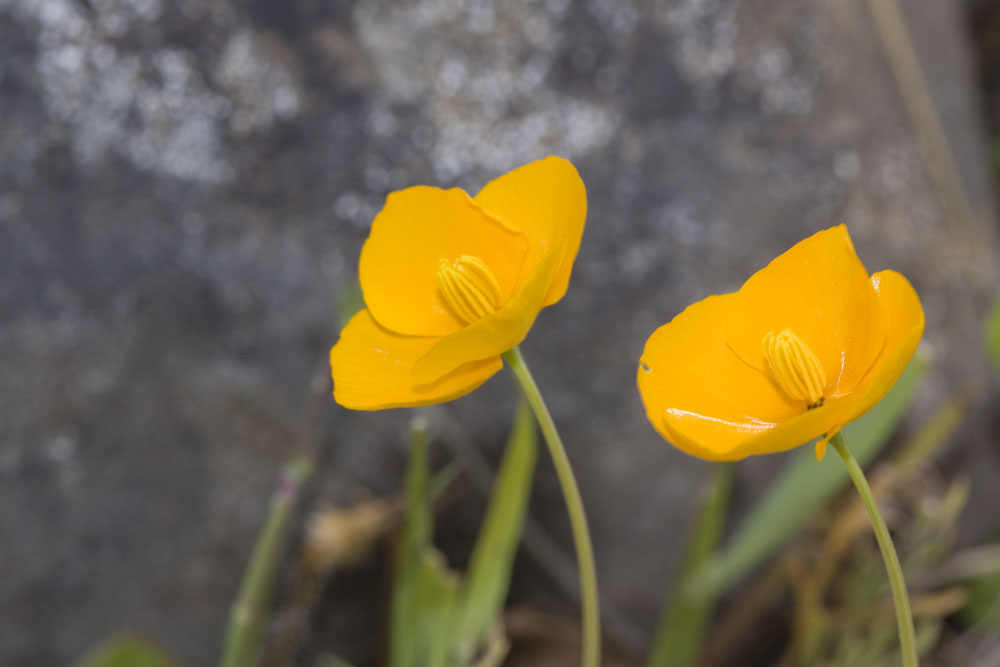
column 125, row 652
column 993, row 334
column 482, row 594
column 685, row 619
column 438, row 619
column 803, row 487
column 247, row 618
column 350, row 301
column 411, row 588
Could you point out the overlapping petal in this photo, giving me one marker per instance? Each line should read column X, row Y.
column 417, row 228
column 717, row 440
column 493, row 334
column 372, row 369
column 905, row 326
column 708, row 401
column 821, row 291
column 687, row 366
column 421, row 341
column 546, row 200
column 709, row 391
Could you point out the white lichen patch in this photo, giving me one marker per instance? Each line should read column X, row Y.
column 783, row 89
column 480, row 75
column 150, row 103
column 155, row 110
column 704, row 33
column 256, row 73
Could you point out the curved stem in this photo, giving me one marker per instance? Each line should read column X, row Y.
column 574, row 506
column 904, row 617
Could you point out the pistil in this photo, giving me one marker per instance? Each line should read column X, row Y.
column 468, row 287
column 795, row 367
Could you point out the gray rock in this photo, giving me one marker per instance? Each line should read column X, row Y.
column 186, row 186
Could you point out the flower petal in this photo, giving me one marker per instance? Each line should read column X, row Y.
column 547, row 201
column 820, row 290
column 415, row 229
column 698, row 393
column 493, row 334
column 716, row 440
column 904, row 318
column 371, row 369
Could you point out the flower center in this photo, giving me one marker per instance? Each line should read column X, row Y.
column 795, row 367
column 468, row 287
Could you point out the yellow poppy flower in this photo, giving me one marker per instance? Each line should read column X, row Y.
column 451, row 282
column 808, row 344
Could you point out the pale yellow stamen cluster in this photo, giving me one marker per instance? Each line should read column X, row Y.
column 468, row 287
column 795, row 367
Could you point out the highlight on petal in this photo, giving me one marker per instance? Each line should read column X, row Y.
column 416, row 229
column 372, row 369
column 748, row 373
column 819, row 290
column 493, row 334
column 700, row 394
column 905, row 326
column 715, row 440
column 547, row 201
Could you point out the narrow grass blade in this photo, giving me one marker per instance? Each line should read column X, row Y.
column 248, row 615
column 484, row 590
column 407, row 602
column 682, row 626
column 993, row 334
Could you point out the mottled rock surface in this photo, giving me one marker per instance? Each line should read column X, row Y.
column 185, row 186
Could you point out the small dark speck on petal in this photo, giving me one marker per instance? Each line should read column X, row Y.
column 643, row 366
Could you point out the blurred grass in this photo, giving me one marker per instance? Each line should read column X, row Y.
column 349, row 301
column 684, row 619
column 126, row 652
column 993, row 334
column 833, row 583
column 803, row 487
column 440, row 618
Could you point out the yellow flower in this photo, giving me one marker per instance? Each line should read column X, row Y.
column 808, row 344
column 451, row 282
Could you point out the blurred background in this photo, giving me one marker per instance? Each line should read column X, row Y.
column 184, row 190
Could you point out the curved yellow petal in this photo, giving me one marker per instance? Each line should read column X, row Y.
column 717, row 440
column 493, row 334
column 371, row 369
column 820, row 290
column 417, row 228
column 547, row 201
column 698, row 393
column 904, row 318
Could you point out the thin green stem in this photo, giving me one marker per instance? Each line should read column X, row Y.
column 574, row 505
column 904, row 617
column 246, row 619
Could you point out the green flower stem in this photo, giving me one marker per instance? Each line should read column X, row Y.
column 246, row 619
column 904, row 617
column 574, row 505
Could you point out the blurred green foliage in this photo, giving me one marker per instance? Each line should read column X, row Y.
column 349, row 301
column 803, row 487
column 126, row 652
column 685, row 619
column 440, row 618
column 993, row 334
